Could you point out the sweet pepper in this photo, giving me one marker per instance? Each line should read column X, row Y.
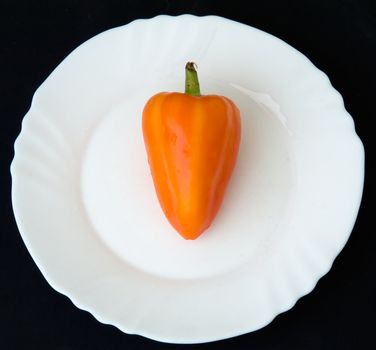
column 192, row 142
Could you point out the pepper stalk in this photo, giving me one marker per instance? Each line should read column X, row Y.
column 192, row 85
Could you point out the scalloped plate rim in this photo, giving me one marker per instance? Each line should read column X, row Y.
column 58, row 287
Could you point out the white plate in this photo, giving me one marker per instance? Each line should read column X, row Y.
column 86, row 208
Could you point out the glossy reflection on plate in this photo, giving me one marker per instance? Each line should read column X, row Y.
column 86, row 207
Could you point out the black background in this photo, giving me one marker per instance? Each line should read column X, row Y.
column 339, row 37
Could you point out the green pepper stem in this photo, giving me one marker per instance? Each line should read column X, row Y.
column 192, row 86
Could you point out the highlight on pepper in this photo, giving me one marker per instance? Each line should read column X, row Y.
column 192, row 142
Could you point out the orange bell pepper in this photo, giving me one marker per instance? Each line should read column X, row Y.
column 192, row 143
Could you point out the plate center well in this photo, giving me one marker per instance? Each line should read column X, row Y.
column 120, row 200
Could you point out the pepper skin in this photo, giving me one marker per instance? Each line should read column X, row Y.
column 192, row 143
